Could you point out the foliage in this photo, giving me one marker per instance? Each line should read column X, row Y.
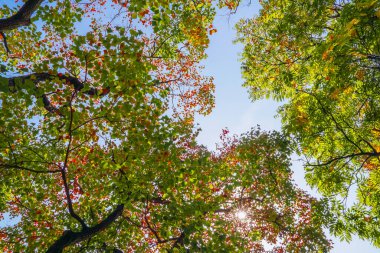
column 323, row 59
column 98, row 148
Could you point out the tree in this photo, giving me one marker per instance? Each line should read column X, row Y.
column 98, row 149
column 322, row 58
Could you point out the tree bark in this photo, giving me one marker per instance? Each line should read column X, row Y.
column 22, row 17
column 10, row 83
column 69, row 237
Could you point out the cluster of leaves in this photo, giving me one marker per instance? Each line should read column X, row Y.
column 258, row 182
column 323, row 59
column 97, row 143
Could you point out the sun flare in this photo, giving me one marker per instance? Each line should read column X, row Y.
column 241, row 215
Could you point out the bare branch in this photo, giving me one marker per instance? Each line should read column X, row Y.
column 22, row 17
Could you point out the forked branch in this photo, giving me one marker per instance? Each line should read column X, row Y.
column 69, row 237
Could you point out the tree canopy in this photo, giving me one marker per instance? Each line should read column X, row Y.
column 98, row 149
column 322, row 58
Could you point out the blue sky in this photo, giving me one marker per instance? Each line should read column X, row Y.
column 234, row 110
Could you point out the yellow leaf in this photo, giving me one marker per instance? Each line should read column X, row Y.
column 353, row 22
column 357, row 54
column 377, row 148
column 325, row 55
column 352, row 32
column 367, row 5
column 335, row 94
column 377, row 13
column 360, row 74
column 212, row 31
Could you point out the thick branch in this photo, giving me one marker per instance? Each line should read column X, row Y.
column 22, row 17
column 12, row 84
column 69, row 237
column 17, row 82
column 48, row 106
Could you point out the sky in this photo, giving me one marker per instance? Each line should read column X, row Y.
column 234, row 110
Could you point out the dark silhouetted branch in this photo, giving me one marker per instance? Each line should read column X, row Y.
column 20, row 18
column 69, row 237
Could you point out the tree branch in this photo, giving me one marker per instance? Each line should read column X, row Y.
column 48, row 106
column 338, row 126
column 5, row 43
column 369, row 154
column 63, row 170
column 22, row 17
column 18, row 167
column 12, row 82
column 69, row 237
